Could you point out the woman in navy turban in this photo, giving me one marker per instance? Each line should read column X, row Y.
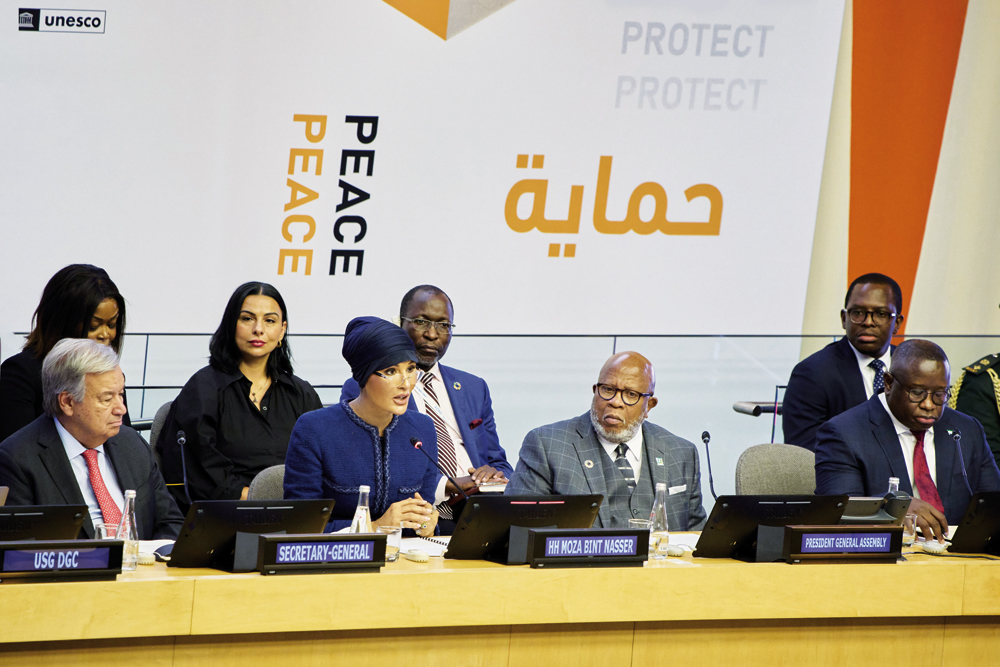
column 336, row 450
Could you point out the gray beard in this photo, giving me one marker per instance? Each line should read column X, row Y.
column 624, row 435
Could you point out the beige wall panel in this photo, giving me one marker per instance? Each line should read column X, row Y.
column 476, row 647
column 144, row 651
column 581, row 645
column 957, row 286
column 854, row 642
column 828, row 267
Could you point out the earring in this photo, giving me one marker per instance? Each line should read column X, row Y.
column 279, row 343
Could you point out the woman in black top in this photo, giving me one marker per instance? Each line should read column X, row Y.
column 79, row 301
column 237, row 413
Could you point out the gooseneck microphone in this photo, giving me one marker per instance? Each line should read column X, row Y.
column 705, row 437
column 957, row 437
column 419, row 445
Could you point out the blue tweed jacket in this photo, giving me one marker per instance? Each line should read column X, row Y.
column 332, row 452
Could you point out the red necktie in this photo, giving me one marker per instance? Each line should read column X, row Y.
column 922, row 474
column 109, row 508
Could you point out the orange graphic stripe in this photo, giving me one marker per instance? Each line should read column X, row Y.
column 904, row 59
column 432, row 14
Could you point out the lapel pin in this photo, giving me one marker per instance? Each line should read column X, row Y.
column 659, row 461
column 588, row 463
column 457, row 386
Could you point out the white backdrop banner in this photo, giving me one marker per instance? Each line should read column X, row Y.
column 556, row 166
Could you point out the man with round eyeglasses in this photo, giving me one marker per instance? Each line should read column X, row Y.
column 614, row 451
column 850, row 371
column 459, row 403
column 939, row 455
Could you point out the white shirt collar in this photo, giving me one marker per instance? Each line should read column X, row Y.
column 864, row 359
column 634, row 445
column 72, row 445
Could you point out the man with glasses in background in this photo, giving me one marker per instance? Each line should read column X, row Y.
column 939, row 455
column 849, row 372
column 612, row 450
column 458, row 402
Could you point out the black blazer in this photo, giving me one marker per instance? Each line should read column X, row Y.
column 34, row 465
column 21, row 393
column 822, row 386
column 858, row 451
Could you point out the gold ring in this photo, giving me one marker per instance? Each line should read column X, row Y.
column 423, row 525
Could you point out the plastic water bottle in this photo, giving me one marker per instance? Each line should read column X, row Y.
column 659, row 533
column 128, row 531
column 362, row 522
column 893, row 485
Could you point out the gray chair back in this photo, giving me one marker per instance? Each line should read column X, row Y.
column 269, row 484
column 776, row 469
column 154, row 431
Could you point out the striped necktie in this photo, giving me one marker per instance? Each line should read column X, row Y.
column 621, row 462
column 922, row 474
column 446, row 446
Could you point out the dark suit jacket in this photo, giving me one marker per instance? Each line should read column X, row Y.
column 470, row 400
column 34, row 465
column 554, row 461
column 21, row 393
column 822, row 386
column 857, row 452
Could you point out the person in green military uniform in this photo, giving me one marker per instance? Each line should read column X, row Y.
column 977, row 394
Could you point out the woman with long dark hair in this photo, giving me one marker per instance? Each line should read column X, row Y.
column 366, row 442
column 79, row 301
column 236, row 413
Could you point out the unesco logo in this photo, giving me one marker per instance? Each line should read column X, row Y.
column 61, row 20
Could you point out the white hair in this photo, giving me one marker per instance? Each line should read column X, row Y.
column 65, row 369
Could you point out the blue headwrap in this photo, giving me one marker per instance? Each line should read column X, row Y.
column 371, row 343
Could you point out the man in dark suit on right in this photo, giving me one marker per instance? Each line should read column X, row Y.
column 848, row 372
column 939, row 455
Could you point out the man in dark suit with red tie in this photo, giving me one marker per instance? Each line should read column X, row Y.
column 78, row 452
column 850, row 371
column 939, row 455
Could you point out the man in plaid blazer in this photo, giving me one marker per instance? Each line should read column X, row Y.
column 614, row 451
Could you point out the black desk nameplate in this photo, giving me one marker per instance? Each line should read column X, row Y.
column 320, row 554
column 34, row 561
column 587, row 547
column 843, row 544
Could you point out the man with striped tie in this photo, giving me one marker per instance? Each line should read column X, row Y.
column 848, row 372
column 939, row 455
column 78, row 452
column 614, row 451
column 457, row 402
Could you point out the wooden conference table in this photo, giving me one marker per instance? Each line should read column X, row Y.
column 927, row 611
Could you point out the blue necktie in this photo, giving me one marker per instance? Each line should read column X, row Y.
column 878, row 386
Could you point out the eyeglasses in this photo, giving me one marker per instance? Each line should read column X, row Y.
column 393, row 374
column 420, row 324
column 629, row 396
column 880, row 317
column 918, row 395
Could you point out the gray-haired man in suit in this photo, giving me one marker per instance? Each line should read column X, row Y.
column 614, row 451
column 78, row 452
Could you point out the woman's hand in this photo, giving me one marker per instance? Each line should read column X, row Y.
column 415, row 513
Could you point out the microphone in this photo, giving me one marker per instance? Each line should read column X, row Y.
column 181, row 438
column 957, row 437
column 419, row 445
column 705, row 437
